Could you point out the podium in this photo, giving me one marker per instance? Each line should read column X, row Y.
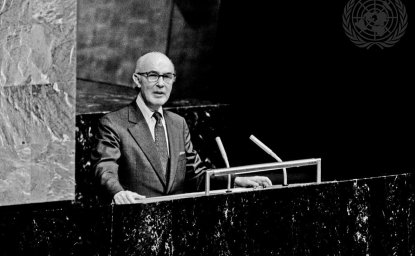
column 372, row 216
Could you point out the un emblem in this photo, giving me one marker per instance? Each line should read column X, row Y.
column 374, row 22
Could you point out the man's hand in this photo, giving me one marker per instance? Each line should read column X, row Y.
column 127, row 197
column 253, row 181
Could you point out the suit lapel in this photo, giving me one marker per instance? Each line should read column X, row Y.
column 173, row 132
column 142, row 135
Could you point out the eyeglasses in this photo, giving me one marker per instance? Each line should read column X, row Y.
column 153, row 77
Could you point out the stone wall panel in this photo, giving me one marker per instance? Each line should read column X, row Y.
column 37, row 100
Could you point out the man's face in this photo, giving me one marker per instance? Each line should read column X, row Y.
column 156, row 93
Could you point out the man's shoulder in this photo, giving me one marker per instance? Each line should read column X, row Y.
column 173, row 116
column 117, row 115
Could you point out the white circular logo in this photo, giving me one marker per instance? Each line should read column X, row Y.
column 374, row 22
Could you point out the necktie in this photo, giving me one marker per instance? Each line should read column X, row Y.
column 160, row 140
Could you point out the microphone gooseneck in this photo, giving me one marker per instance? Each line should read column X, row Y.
column 271, row 153
column 222, row 151
column 225, row 159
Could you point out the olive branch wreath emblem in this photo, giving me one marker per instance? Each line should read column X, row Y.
column 389, row 42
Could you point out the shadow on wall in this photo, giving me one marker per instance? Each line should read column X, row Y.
column 198, row 14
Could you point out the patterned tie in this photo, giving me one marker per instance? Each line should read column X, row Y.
column 160, row 140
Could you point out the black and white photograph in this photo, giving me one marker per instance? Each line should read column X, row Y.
column 209, row 127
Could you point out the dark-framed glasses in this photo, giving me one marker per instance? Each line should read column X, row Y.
column 153, row 77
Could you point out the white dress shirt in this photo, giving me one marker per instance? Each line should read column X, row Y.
column 151, row 121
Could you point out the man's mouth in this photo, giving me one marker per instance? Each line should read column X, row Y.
column 159, row 93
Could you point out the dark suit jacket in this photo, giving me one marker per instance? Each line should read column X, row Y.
column 125, row 157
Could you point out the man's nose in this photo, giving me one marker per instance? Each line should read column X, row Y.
column 160, row 81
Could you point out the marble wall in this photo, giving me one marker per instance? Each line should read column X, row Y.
column 37, row 100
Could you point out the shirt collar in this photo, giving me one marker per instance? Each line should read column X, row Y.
column 147, row 112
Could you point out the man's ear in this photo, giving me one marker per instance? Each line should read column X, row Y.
column 136, row 80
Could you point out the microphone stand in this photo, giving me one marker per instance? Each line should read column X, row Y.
column 271, row 153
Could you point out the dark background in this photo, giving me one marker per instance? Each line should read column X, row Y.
column 307, row 91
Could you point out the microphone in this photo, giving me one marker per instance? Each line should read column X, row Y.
column 271, row 153
column 225, row 159
column 222, row 151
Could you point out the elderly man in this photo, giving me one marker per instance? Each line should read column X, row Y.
column 145, row 151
